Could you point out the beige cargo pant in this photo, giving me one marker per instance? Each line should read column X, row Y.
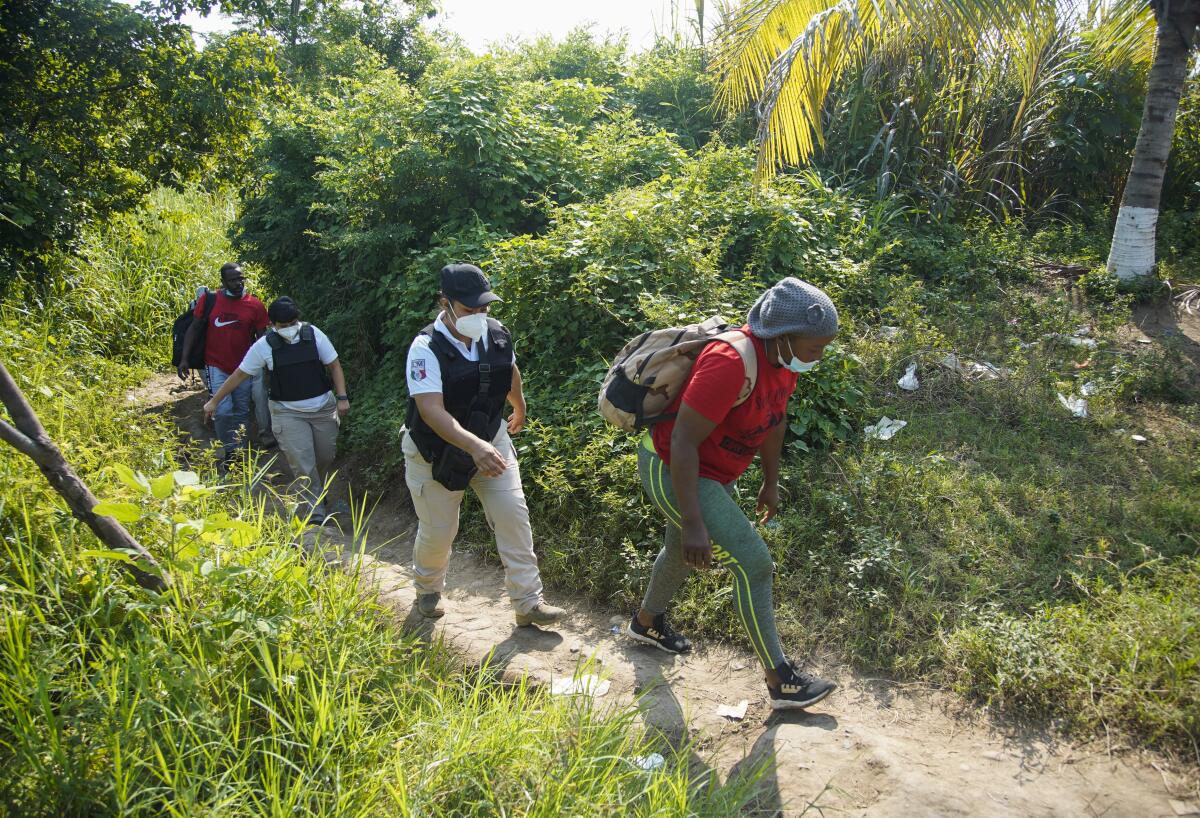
column 308, row 441
column 503, row 502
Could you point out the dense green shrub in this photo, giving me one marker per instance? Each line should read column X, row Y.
column 358, row 192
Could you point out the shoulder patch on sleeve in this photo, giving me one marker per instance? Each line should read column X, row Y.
column 417, row 370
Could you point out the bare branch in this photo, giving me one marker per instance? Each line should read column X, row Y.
column 29, row 438
column 17, row 440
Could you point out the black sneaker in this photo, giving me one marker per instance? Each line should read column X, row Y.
column 659, row 634
column 797, row 689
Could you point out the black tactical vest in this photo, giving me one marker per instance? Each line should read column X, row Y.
column 297, row 372
column 473, row 392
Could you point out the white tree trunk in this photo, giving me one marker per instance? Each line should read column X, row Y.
column 1132, row 251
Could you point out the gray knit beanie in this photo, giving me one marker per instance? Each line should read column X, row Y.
column 793, row 306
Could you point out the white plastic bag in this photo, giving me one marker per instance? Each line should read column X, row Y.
column 587, row 685
column 1075, row 405
column 885, row 429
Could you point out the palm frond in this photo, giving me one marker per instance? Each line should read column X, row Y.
column 787, row 54
column 1121, row 31
column 789, row 114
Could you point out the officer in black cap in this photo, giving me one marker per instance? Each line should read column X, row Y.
column 461, row 374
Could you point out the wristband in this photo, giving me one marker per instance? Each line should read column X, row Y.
column 343, row 397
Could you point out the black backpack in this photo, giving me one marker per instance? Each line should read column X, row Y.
column 179, row 332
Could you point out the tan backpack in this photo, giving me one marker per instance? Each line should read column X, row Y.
column 651, row 370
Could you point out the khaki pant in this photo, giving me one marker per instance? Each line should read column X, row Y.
column 309, row 442
column 262, row 409
column 503, row 502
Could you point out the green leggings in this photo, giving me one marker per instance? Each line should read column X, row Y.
column 736, row 545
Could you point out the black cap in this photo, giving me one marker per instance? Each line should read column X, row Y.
column 466, row 284
column 283, row 310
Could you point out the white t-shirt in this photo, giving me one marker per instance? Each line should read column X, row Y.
column 259, row 357
column 424, row 371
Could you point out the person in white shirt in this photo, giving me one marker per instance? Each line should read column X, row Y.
column 461, row 373
column 307, row 391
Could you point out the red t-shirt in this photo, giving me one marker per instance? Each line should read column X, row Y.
column 712, row 388
column 232, row 328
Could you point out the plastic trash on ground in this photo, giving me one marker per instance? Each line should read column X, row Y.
column 909, row 381
column 974, row 369
column 736, row 712
column 885, row 429
column 587, row 685
column 1075, row 405
column 1088, row 389
column 649, row 763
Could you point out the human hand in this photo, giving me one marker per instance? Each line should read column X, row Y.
column 517, row 422
column 343, row 407
column 697, row 549
column 488, row 460
column 768, row 502
column 210, row 408
column 182, row 372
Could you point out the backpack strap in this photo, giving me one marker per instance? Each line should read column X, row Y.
column 210, row 301
column 743, row 344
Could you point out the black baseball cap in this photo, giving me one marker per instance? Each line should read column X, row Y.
column 466, row 284
column 283, row 310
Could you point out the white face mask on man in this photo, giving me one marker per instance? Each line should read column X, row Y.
column 473, row 326
column 289, row 333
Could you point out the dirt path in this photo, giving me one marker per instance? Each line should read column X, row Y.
column 874, row 748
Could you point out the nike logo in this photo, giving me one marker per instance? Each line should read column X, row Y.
column 219, row 323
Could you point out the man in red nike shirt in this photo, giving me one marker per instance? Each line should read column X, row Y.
column 236, row 320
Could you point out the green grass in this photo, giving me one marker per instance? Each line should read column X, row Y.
column 262, row 683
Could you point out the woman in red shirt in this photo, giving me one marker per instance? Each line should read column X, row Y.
column 689, row 466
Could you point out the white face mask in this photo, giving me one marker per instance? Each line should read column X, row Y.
column 290, row 333
column 795, row 364
column 473, row 326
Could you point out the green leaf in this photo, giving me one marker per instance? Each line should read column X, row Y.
column 119, row 556
column 162, row 486
column 189, row 528
column 187, row 478
column 293, row 573
column 121, row 512
column 135, row 480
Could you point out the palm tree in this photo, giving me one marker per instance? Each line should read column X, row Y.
column 786, row 55
column 1132, row 252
